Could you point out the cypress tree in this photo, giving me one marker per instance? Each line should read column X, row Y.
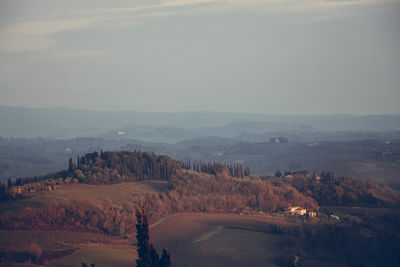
column 154, row 257
column 165, row 260
column 142, row 236
column 147, row 254
column 70, row 165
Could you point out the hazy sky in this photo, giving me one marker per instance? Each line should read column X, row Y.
column 272, row 56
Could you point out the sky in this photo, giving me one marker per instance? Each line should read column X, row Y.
column 271, row 56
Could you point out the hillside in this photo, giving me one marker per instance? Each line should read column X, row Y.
column 221, row 239
column 193, row 209
column 116, row 194
column 377, row 158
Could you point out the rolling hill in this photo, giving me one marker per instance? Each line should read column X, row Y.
column 205, row 217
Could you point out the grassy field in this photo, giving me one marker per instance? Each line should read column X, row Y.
column 362, row 212
column 116, row 194
column 55, row 240
column 194, row 239
column 201, row 239
column 101, row 256
column 104, row 250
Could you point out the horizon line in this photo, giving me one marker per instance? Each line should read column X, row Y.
column 198, row 111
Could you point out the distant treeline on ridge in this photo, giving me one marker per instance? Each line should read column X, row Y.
column 234, row 170
column 125, row 166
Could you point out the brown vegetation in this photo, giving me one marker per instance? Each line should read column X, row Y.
column 189, row 191
column 328, row 189
column 212, row 190
column 199, row 192
column 74, row 216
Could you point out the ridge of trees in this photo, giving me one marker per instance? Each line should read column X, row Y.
column 235, row 170
column 328, row 189
column 113, row 167
column 124, row 166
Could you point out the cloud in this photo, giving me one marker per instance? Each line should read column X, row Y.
column 78, row 53
column 16, row 43
column 152, row 7
column 35, row 35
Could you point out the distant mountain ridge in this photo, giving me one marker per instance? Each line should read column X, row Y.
column 170, row 127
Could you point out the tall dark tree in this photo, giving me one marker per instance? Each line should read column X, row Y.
column 154, row 257
column 142, row 236
column 165, row 260
column 70, row 165
column 147, row 254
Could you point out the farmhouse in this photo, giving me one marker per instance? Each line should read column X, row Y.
column 296, row 211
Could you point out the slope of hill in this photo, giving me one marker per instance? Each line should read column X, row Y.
column 221, row 239
column 97, row 198
column 116, row 194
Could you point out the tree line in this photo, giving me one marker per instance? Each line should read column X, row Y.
column 115, row 167
column 235, row 169
column 94, row 168
column 329, row 189
column 132, row 166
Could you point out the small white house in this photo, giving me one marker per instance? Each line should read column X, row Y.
column 297, row 211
